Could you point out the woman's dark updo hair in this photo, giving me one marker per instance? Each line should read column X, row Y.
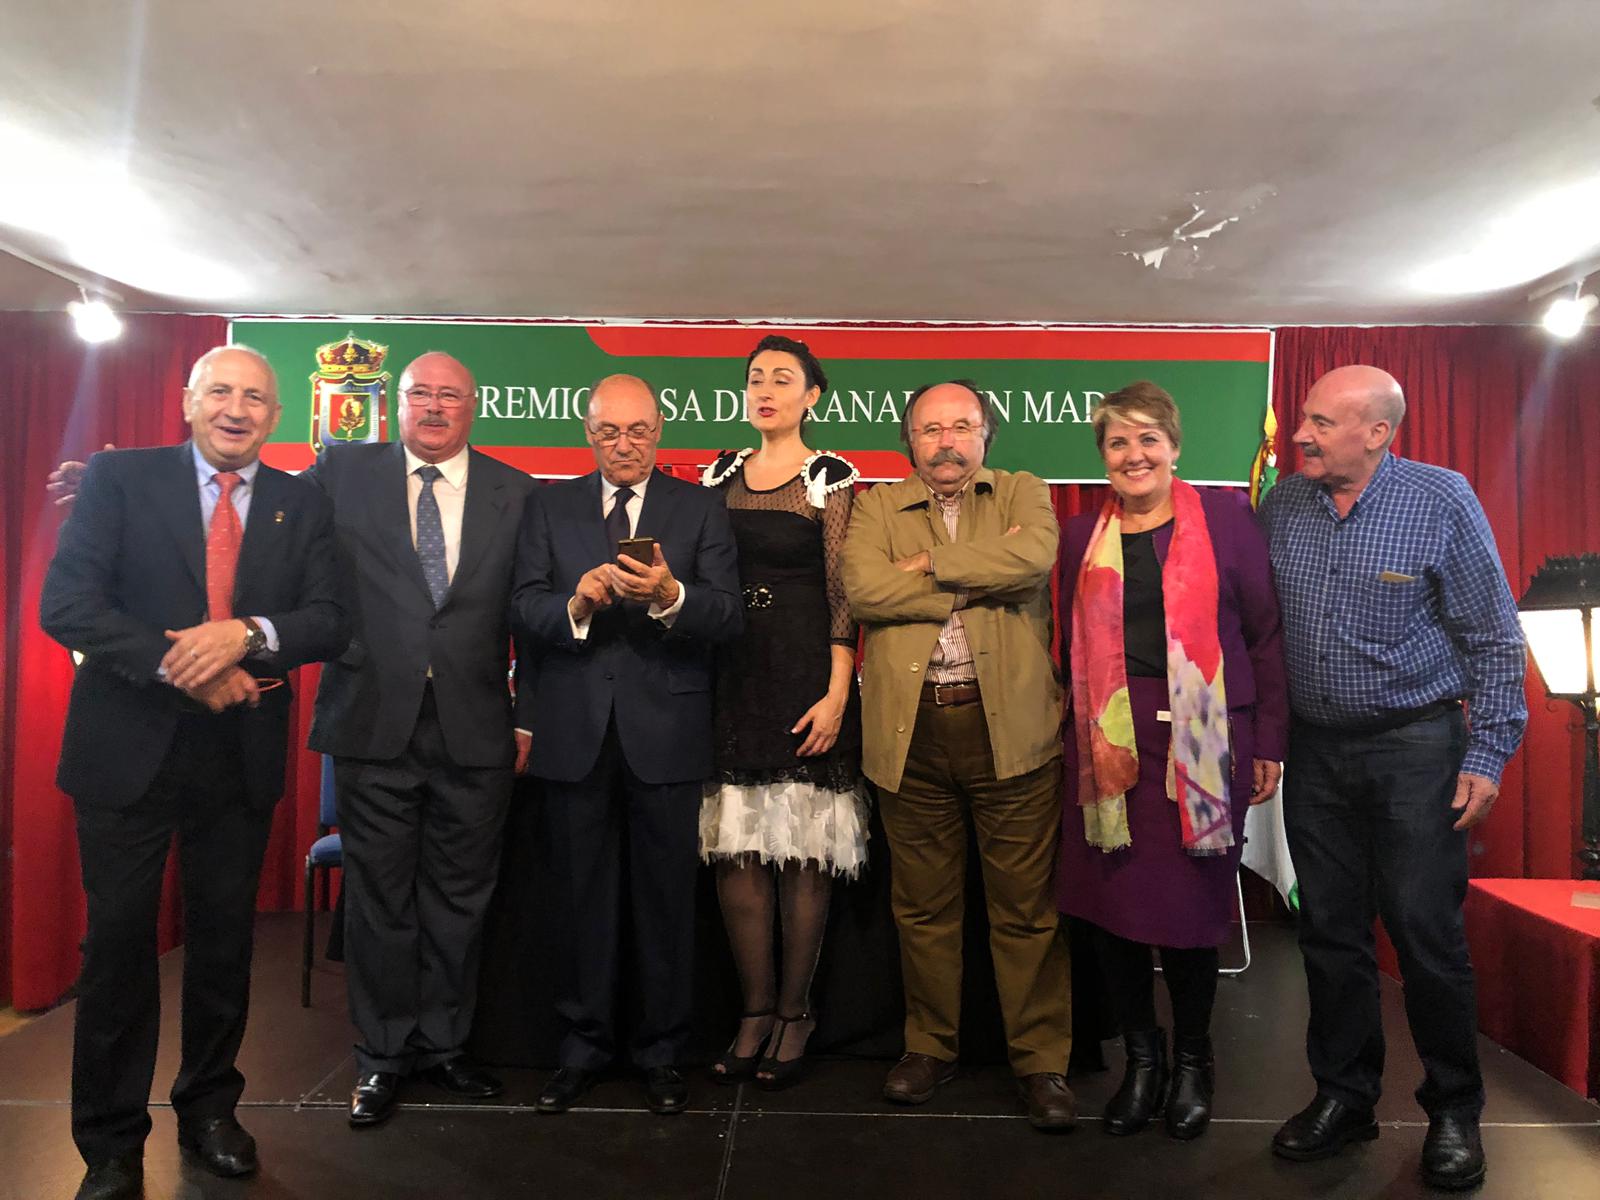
column 816, row 377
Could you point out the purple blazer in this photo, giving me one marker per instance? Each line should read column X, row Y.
column 1248, row 624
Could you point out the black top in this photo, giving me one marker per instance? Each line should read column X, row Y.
column 1144, row 616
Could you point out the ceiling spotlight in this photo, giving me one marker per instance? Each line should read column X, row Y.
column 94, row 320
column 1565, row 316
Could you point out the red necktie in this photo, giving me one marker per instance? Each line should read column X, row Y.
column 222, row 549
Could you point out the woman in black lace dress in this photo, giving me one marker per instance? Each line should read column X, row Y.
column 787, row 812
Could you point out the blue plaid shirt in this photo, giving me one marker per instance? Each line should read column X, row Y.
column 1400, row 604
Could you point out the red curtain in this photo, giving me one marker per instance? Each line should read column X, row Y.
column 1505, row 407
column 65, row 399
column 1519, row 416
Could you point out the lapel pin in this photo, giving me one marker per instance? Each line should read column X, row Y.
column 277, row 517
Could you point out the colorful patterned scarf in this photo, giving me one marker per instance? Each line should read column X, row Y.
column 1199, row 760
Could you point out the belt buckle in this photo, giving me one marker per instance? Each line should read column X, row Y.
column 758, row 596
column 939, row 693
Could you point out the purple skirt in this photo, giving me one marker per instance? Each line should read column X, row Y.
column 1152, row 891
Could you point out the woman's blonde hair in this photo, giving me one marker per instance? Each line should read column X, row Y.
column 1140, row 403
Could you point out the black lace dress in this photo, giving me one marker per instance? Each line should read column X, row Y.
column 766, row 801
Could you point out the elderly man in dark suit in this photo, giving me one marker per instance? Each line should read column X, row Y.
column 192, row 579
column 623, row 689
column 418, row 718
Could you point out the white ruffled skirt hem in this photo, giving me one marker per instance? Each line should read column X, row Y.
column 785, row 821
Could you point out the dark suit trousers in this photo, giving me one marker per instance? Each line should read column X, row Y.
column 1369, row 821
column 605, row 828
column 421, row 851
column 198, row 795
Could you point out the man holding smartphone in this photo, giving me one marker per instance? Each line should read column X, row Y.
column 626, row 580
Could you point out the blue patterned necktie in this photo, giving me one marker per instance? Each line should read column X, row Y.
column 430, row 537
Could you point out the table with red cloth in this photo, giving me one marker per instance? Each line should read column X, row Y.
column 1537, row 958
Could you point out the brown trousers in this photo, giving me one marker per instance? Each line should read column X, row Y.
column 950, row 772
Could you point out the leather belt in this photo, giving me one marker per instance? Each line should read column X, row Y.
column 946, row 694
column 1389, row 722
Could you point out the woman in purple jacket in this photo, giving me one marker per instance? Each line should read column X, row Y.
column 1177, row 724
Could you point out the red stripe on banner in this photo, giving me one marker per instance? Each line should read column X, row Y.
column 568, row 461
column 288, row 456
column 1095, row 345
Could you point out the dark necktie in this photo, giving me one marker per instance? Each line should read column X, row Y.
column 430, row 537
column 617, row 519
column 223, row 538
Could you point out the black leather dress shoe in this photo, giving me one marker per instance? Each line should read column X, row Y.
column 120, row 1178
column 563, row 1090
column 461, row 1077
column 1452, row 1153
column 1322, row 1129
column 373, row 1098
column 665, row 1090
column 220, row 1145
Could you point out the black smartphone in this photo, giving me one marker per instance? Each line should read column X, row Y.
column 640, row 549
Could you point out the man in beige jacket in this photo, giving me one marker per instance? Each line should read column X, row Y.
column 948, row 572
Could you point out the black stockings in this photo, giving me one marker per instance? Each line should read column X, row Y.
column 749, row 890
column 1191, row 976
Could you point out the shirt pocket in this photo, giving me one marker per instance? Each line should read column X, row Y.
column 1389, row 600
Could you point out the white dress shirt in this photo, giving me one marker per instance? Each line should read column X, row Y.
column 449, row 492
column 608, row 500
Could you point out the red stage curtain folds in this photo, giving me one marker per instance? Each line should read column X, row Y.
column 1503, row 405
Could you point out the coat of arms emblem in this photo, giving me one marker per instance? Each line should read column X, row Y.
column 349, row 396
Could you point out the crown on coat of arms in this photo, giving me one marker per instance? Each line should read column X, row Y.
column 351, row 357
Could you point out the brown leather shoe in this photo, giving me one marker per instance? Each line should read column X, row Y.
column 1051, row 1104
column 915, row 1078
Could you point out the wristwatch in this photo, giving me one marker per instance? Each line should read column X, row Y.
column 255, row 638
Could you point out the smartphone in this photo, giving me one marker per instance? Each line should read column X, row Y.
column 640, row 549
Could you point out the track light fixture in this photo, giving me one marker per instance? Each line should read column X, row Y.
column 1565, row 317
column 94, row 319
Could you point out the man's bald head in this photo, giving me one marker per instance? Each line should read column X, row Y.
column 437, row 398
column 623, row 425
column 1377, row 392
column 1351, row 416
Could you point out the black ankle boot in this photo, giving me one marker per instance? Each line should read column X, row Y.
column 1194, row 1079
column 1144, row 1084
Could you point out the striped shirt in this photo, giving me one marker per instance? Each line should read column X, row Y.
column 1398, row 605
column 951, row 660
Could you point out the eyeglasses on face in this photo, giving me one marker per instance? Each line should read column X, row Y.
column 961, row 430
column 422, row 397
column 610, row 435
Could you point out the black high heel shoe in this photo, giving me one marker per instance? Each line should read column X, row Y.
column 773, row 1074
column 735, row 1068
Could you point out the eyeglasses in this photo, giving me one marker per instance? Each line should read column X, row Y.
column 961, row 430
column 610, row 435
column 421, row 397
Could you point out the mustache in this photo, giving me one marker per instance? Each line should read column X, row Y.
column 433, row 422
column 948, row 455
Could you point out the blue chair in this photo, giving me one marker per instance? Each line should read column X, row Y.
column 326, row 853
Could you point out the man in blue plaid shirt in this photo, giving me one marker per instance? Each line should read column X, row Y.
column 1396, row 611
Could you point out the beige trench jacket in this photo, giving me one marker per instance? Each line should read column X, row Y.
column 1007, row 617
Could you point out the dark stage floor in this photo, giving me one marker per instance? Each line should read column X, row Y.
column 829, row 1138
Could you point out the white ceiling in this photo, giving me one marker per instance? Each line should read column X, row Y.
column 851, row 159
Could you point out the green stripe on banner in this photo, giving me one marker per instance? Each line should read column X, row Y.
column 533, row 380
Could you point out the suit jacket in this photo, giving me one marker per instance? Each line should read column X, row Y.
column 1007, row 617
column 657, row 680
column 1248, row 625
column 369, row 699
column 130, row 563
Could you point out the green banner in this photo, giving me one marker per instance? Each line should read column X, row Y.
column 339, row 379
